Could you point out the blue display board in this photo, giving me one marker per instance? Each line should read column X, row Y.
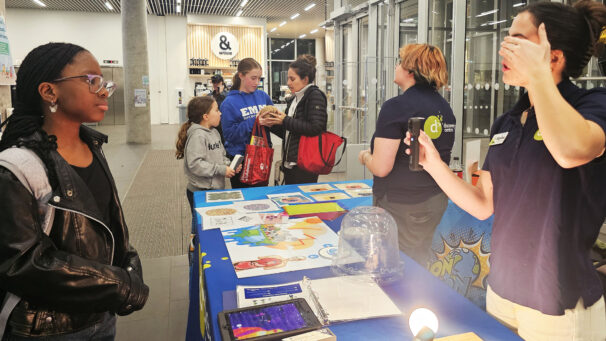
column 460, row 252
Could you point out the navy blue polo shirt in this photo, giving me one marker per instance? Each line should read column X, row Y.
column 401, row 184
column 546, row 218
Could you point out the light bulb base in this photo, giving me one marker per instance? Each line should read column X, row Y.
column 425, row 334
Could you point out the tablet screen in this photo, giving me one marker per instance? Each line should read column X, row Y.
column 266, row 321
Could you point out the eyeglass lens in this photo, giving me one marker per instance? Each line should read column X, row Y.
column 97, row 83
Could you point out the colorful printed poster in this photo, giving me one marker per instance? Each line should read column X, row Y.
column 351, row 185
column 283, row 199
column 7, row 70
column 357, row 193
column 140, row 98
column 330, row 196
column 254, row 206
column 226, row 217
column 316, row 188
column 212, row 196
column 269, row 249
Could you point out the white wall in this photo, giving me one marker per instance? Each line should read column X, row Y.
column 101, row 34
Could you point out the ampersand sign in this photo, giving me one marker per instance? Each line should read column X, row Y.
column 224, row 45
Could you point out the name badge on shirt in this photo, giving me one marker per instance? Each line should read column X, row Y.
column 498, row 138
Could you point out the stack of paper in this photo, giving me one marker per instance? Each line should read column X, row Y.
column 333, row 299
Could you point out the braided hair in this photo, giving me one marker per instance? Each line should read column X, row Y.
column 42, row 64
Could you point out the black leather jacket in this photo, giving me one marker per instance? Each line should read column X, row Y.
column 310, row 120
column 67, row 280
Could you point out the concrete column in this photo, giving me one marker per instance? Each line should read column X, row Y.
column 134, row 50
column 5, row 90
column 320, row 68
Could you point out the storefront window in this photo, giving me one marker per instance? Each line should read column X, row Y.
column 306, row 46
column 440, row 34
column 282, row 49
column 409, row 21
column 279, row 74
column 348, row 109
column 485, row 95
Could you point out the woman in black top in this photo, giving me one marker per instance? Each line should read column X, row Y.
column 544, row 178
column 70, row 280
column 305, row 115
column 413, row 198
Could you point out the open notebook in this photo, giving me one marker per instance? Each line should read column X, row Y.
column 334, row 299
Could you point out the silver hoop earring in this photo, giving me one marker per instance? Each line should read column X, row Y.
column 53, row 107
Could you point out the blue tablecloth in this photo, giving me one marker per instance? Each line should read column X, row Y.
column 418, row 288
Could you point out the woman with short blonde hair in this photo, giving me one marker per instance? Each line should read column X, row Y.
column 427, row 64
column 412, row 198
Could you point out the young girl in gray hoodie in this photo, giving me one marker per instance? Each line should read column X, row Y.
column 199, row 143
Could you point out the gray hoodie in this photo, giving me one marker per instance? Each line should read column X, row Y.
column 205, row 160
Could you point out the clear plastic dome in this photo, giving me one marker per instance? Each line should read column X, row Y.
column 368, row 244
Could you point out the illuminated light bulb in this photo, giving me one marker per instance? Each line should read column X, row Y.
column 423, row 324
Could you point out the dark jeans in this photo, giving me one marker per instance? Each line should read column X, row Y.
column 297, row 175
column 105, row 330
column 190, row 199
column 416, row 224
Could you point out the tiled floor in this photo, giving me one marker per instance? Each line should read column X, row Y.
column 164, row 317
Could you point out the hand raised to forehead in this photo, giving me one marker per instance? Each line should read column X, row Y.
column 526, row 57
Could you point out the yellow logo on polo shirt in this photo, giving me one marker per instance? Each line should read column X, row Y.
column 538, row 136
column 433, row 127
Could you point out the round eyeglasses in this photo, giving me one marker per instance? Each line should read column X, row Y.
column 95, row 83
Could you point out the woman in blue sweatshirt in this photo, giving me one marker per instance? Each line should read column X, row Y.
column 239, row 111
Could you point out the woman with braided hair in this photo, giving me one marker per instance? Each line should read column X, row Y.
column 544, row 178
column 66, row 265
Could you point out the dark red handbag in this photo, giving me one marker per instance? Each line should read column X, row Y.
column 317, row 154
column 257, row 158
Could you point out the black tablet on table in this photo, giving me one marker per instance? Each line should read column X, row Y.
column 273, row 321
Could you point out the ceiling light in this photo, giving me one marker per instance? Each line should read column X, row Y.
column 282, row 24
column 302, row 36
column 178, row 8
column 487, row 13
column 519, row 4
column 109, row 6
column 294, row 16
column 39, row 3
column 178, row 2
column 244, row 2
column 314, row 31
column 310, row 6
column 494, row 22
column 239, row 13
column 273, row 29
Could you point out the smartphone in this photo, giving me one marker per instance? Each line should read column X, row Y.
column 236, row 161
column 273, row 321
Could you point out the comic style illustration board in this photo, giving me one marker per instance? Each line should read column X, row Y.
column 224, row 196
column 283, row 199
column 226, row 217
column 351, row 185
column 316, row 188
column 299, row 244
column 255, row 206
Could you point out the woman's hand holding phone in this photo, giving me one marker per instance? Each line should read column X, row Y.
column 428, row 154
